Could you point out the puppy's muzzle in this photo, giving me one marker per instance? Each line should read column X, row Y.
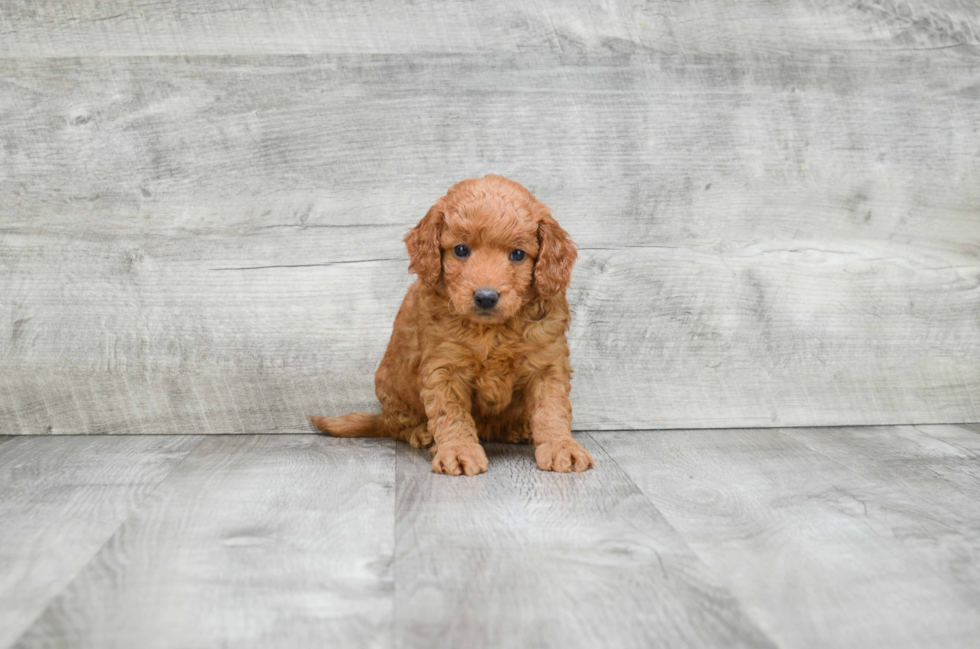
column 485, row 298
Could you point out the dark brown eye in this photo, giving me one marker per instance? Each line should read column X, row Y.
column 462, row 251
column 517, row 255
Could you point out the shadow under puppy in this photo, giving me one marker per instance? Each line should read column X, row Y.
column 478, row 349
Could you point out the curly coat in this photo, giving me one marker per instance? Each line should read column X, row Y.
column 455, row 373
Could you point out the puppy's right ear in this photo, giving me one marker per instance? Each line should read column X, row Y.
column 424, row 249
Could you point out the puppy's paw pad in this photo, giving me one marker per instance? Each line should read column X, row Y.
column 563, row 456
column 459, row 459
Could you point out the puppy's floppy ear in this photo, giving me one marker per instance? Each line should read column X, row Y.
column 424, row 249
column 556, row 256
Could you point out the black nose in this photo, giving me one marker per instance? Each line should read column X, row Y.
column 485, row 298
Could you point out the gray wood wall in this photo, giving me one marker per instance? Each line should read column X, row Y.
column 776, row 202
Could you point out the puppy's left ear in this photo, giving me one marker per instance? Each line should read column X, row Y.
column 424, row 249
column 556, row 256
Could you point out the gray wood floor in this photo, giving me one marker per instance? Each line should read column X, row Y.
column 820, row 537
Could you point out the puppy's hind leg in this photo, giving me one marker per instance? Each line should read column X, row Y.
column 418, row 435
column 404, row 423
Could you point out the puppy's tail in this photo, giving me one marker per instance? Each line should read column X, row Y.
column 356, row 424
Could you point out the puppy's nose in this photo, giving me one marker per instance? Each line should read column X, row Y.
column 485, row 298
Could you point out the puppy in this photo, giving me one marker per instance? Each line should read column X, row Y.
column 478, row 350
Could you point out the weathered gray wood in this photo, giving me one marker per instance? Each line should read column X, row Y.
column 818, row 555
column 522, row 557
column 940, row 479
column 965, row 437
column 289, row 541
column 60, row 500
column 50, row 28
column 254, row 541
column 214, row 245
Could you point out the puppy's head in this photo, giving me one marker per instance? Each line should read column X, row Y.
column 491, row 246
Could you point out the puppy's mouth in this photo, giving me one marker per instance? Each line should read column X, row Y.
column 487, row 315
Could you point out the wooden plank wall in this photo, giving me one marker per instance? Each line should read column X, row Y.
column 202, row 204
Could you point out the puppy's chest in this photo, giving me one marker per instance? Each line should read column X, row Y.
column 499, row 370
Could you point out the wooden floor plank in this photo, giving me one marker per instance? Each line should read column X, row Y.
column 965, row 437
column 810, row 537
column 182, row 27
column 817, row 554
column 520, row 557
column 254, row 541
column 939, row 478
column 60, row 500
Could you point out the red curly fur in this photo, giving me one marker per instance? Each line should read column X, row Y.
column 454, row 374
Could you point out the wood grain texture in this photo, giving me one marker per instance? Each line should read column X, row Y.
column 299, row 541
column 941, row 477
column 966, row 437
column 60, row 502
column 254, row 541
column 180, row 27
column 817, row 554
column 522, row 557
column 213, row 245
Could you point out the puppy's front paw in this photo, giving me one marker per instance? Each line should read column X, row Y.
column 454, row 459
column 564, row 456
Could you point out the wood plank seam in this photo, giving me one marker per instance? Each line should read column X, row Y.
column 815, row 511
column 109, row 537
column 649, row 543
column 747, row 611
column 964, row 425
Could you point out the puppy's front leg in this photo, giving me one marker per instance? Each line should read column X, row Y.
column 457, row 448
column 551, row 426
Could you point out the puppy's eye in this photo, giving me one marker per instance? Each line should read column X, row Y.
column 461, row 251
column 517, row 255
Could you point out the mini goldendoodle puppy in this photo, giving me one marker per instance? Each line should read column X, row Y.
column 478, row 349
